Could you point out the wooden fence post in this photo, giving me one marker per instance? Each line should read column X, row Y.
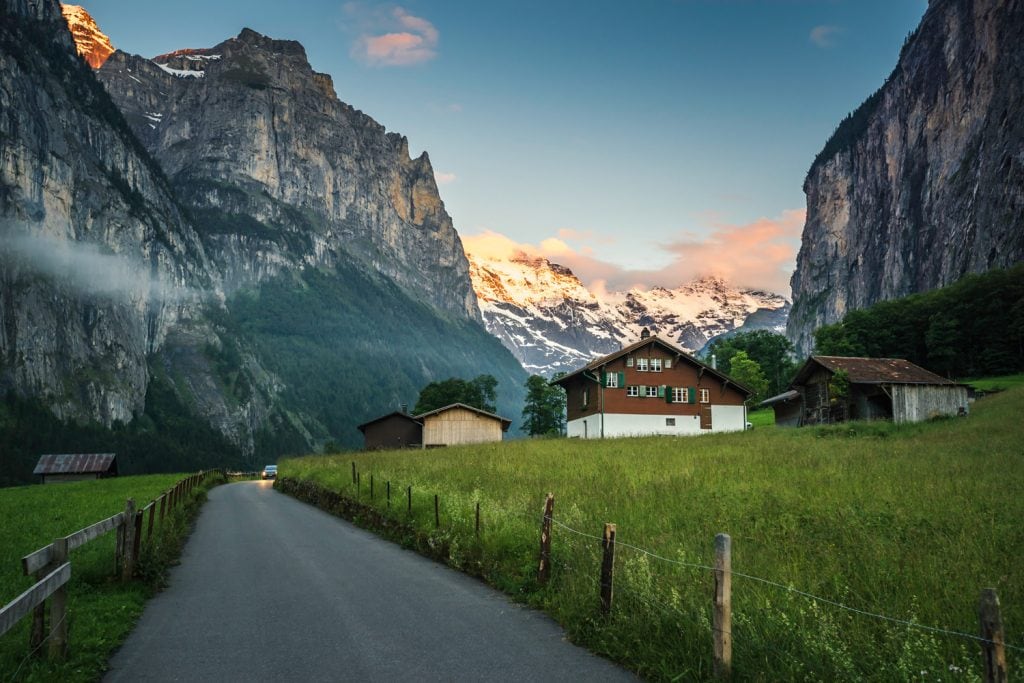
column 59, row 605
column 137, row 535
column 607, row 568
column 544, row 565
column 722, row 626
column 353, row 471
column 409, row 490
column 389, row 494
column 38, row 633
column 478, row 518
column 128, row 524
column 149, row 527
column 163, row 507
column 371, row 486
column 437, row 512
column 992, row 649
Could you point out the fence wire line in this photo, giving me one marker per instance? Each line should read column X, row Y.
column 776, row 584
column 41, row 643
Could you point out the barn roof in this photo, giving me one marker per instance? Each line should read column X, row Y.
column 74, row 463
column 505, row 422
column 790, row 395
column 872, row 370
column 397, row 413
column 671, row 348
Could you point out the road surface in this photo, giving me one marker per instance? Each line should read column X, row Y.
column 272, row 589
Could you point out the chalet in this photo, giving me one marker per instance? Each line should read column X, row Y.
column 448, row 426
column 392, row 431
column 651, row 387
column 76, row 467
column 461, row 424
column 830, row 389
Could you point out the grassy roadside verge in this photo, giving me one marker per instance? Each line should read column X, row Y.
column 102, row 610
column 909, row 522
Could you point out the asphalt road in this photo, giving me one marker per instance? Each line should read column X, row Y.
column 271, row 589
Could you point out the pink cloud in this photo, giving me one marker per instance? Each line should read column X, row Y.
column 408, row 40
column 442, row 178
column 824, row 36
column 759, row 255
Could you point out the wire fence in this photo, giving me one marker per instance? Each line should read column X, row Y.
column 641, row 595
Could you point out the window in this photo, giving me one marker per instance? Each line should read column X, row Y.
column 641, row 365
column 705, row 396
column 679, row 394
column 652, row 391
column 629, row 361
column 611, row 380
column 632, row 390
column 670, row 422
column 668, row 363
column 655, row 365
column 586, row 397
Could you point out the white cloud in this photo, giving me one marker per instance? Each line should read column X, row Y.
column 442, row 178
column 824, row 36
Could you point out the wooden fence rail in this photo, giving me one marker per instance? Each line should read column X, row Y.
column 52, row 568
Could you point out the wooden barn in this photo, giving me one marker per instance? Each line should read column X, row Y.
column 76, row 467
column 651, row 387
column 461, row 424
column 830, row 389
column 394, row 430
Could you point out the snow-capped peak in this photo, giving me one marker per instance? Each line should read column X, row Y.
column 92, row 44
column 551, row 322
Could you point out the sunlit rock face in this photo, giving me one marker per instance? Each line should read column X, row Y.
column 925, row 182
column 278, row 172
column 91, row 43
column 552, row 323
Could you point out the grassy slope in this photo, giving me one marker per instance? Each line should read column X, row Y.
column 102, row 611
column 910, row 522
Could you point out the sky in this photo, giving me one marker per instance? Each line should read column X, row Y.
column 641, row 143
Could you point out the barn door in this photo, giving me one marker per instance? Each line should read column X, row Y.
column 705, row 417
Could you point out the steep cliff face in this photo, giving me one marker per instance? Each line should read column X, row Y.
column 925, row 182
column 551, row 322
column 278, row 173
column 96, row 262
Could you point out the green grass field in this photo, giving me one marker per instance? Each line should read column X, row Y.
column 102, row 610
column 996, row 383
column 909, row 522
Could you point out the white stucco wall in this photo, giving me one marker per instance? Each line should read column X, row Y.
column 723, row 419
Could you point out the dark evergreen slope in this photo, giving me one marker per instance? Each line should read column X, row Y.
column 351, row 346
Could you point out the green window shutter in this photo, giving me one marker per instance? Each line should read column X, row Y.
column 604, row 378
column 692, row 391
column 661, row 391
column 622, row 379
column 668, row 394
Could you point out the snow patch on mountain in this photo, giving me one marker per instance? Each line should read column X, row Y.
column 551, row 322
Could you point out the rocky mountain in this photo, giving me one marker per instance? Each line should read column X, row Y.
column 91, row 43
column 279, row 174
column 551, row 322
column 257, row 272
column 923, row 183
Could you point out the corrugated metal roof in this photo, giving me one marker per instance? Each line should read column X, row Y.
column 74, row 463
column 876, row 370
column 396, row 413
column 790, row 395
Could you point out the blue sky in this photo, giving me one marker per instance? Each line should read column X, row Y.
column 643, row 142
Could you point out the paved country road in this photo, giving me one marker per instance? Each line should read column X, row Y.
column 271, row 589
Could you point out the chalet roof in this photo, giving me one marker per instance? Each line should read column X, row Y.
column 505, row 422
column 74, row 463
column 790, row 395
column 671, row 348
column 872, row 371
column 397, row 413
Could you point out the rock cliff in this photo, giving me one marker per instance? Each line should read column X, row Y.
column 97, row 263
column 92, row 44
column 278, row 173
column 924, row 183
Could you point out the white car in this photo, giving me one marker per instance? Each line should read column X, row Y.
column 270, row 472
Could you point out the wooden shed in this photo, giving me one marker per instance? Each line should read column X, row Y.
column 76, row 467
column 838, row 388
column 461, row 424
column 391, row 431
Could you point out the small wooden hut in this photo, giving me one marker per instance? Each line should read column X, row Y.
column 76, row 467
column 394, row 430
column 461, row 424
